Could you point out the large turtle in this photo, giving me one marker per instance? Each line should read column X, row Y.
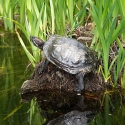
column 69, row 55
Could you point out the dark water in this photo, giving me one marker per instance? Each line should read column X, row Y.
column 13, row 63
column 113, row 110
column 13, row 73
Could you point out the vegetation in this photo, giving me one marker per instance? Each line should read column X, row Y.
column 107, row 31
column 43, row 17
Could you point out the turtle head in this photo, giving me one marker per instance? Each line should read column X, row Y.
column 37, row 42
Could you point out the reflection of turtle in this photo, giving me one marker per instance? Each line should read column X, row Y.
column 74, row 118
column 69, row 55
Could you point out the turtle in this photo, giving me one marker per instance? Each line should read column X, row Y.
column 69, row 55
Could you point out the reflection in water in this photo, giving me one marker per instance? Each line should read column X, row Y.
column 112, row 111
column 74, row 118
column 13, row 62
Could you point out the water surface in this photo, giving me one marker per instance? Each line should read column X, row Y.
column 13, row 63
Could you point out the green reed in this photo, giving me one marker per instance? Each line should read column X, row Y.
column 44, row 17
column 7, row 11
column 107, row 30
column 119, row 65
column 123, row 79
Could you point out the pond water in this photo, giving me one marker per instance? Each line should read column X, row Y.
column 13, row 63
column 13, row 72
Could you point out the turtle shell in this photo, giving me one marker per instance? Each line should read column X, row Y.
column 69, row 54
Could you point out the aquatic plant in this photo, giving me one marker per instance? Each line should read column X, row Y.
column 108, row 29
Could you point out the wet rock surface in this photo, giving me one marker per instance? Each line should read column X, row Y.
column 55, row 81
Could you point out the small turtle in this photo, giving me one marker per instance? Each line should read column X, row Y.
column 69, row 55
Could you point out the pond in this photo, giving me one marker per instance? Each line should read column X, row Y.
column 13, row 63
column 13, row 72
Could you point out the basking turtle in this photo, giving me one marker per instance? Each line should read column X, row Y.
column 69, row 55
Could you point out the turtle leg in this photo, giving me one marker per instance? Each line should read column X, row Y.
column 80, row 85
column 44, row 64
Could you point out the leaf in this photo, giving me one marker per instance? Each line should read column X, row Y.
column 14, row 110
column 31, row 58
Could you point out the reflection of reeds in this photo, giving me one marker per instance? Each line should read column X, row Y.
column 12, row 66
column 112, row 109
column 35, row 114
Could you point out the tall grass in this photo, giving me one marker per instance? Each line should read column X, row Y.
column 7, row 11
column 44, row 17
column 105, row 15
